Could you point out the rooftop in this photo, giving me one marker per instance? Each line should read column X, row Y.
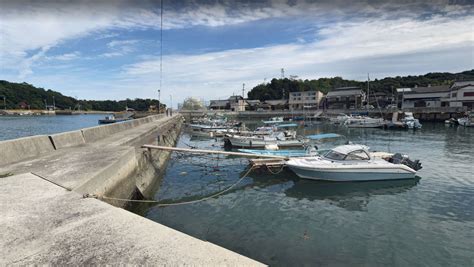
column 345, row 92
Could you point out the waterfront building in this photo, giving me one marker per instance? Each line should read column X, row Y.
column 301, row 100
column 344, row 98
column 219, row 105
column 429, row 96
column 253, row 104
column 280, row 104
column 461, row 95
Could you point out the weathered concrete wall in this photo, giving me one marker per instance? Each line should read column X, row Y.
column 67, row 139
column 94, row 134
column 24, row 148
column 140, row 173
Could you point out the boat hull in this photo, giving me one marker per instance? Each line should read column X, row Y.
column 249, row 143
column 352, row 175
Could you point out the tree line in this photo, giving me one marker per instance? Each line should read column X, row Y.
column 24, row 95
column 280, row 88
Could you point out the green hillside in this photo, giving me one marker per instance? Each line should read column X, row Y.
column 277, row 87
column 24, row 94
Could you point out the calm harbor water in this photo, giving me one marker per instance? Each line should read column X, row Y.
column 12, row 127
column 283, row 220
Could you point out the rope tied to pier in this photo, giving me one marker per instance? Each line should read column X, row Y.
column 160, row 204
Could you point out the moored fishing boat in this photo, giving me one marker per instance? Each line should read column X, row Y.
column 410, row 122
column 280, row 139
column 467, row 121
column 354, row 163
column 274, row 120
column 364, row 122
column 339, row 119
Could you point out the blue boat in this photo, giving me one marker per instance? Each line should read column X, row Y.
column 323, row 136
column 286, row 125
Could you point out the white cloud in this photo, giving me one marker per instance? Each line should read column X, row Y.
column 67, row 56
column 30, row 31
column 202, row 75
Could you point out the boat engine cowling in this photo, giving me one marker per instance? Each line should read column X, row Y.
column 398, row 158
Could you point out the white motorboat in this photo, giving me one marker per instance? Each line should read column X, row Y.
column 364, row 122
column 354, row 163
column 410, row 122
column 467, row 121
column 274, row 120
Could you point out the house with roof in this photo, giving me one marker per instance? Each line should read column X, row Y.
column 344, row 98
column 219, row 105
column 461, row 95
column 280, row 104
column 302, row 100
column 253, row 104
column 429, row 96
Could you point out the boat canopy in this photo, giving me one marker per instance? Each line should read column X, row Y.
column 346, row 149
column 323, row 136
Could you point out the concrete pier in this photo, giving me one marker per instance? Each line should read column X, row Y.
column 45, row 219
column 43, row 223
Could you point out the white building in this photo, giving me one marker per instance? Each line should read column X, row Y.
column 301, row 100
column 461, row 95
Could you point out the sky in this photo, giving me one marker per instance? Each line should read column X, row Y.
column 210, row 48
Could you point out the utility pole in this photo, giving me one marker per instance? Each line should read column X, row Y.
column 171, row 100
column 45, row 105
column 243, row 90
column 54, row 104
column 159, row 102
column 282, row 73
column 4, row 102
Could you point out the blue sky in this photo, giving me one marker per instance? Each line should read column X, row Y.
column 111, row 50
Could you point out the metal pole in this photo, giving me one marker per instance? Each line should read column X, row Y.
column 159, row 101
column 171, row 100
column 4, row 103
column 54, row 104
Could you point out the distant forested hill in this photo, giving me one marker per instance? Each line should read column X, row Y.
column 277, row 87
column 24, row 94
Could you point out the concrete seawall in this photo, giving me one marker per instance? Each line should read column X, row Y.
column 48, row 221
column 102, row 160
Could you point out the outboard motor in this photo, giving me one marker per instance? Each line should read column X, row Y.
column 400, row 159
column 227, row 144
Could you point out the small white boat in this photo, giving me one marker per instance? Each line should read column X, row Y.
column 410, row 122
column 339, row 119
column 274, row 120
column 364, row 122
column 467, row 121
column 354, row 163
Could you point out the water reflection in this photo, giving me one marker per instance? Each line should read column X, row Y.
column 353, row 196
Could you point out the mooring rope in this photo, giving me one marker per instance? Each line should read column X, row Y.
column 277, row 172
column 173, row 204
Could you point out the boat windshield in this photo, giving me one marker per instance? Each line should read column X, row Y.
column 357, row 155
column 331, row 154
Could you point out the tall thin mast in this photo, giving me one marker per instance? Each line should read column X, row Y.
column 368, row 92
